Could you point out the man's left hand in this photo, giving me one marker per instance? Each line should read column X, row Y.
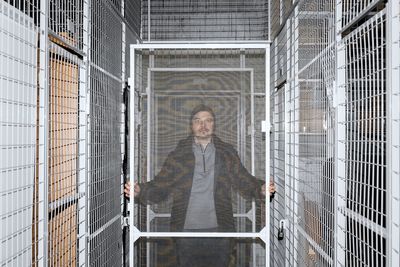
column 271, row 189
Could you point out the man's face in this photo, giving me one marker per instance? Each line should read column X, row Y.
column 203, row 124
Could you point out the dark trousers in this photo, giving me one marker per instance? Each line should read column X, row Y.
column 203, row 251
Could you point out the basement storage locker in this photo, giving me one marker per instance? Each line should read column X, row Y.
column 169, row 81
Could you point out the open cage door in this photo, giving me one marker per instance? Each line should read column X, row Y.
column 198, row 155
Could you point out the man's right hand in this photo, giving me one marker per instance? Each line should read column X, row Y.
column 127, row 189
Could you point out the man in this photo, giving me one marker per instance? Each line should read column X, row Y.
column 200, row 175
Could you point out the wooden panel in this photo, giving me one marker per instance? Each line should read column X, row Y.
column 63, row 125
column 63, row 237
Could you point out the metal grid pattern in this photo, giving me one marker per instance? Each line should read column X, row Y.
column 354, row 10
column 280, row 11
column 204, row 20
column 132, row 15
column 105, row 158
column 63, row 152
column 19, row 234
column 341, row 121
column 117, row 4
column 278, row 172
column 44, row 50
column 106, row 39
column 149, row 253
column 304, row 140
column 393, row 114
column 106, row 124
column 366, row 182
column 66, row 21
column 105, row 248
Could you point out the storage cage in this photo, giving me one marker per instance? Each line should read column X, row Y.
column 62, row 129
column 97, row 93
column 169, row 83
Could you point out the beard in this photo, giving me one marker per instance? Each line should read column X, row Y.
column 203, row 133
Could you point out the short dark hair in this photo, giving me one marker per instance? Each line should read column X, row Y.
column 200, row 108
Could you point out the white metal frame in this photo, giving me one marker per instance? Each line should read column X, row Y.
column 43, row 135
column 339, row 100
column 264, row 234
column 393, row 127
column 84, row 137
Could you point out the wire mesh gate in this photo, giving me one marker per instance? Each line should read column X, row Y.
column 335, row 137
column 61, row 90
column 161, row 78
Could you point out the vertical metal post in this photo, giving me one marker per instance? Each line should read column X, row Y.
column 243, row 131
column 122, row 136
column 267, row 154
column 43, row 135
column 287, row 143
column 150, row 163
column 339, row 99
column 287, row 169
column 83, row 136
column 269, row 21
column 87, row 60
column 393, row 129
column 295, row 128
column 148, row 20
column 253, row 167
column 132, row 134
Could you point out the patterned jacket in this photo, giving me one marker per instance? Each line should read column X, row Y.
column 176, row 176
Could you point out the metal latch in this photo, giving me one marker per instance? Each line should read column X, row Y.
column 125, row 221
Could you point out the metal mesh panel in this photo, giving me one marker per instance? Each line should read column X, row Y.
column 132, row 15
column 280, row 63
column 104, row 248
column 18, row 134
column 168, row 258
column 66, row 21
column 393, row 114
column 278, row 172
column 44, row 51
column 205, row 20
column 280, row 11
column 175, row 90
column 304, row 136
column 353, row 10
column 104, row 130
column 63, row 156
column 117, row 4
column 345, row 146
column 105, row 154
column 106, row 39
column 366, row 144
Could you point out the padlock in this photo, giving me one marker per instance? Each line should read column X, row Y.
column 281, row 230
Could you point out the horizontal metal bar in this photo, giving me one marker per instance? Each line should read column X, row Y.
column 365, row 222
column 67, row 200
column 200, row 234
column 317, row 57
column 201, row 45
column 315, row 245
column 228, row 93
column 61, row 42
column 106, row 72
column 202, row 69
column 315, row 14
column 105, row 226
column 167, row 215
column 209, row 42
